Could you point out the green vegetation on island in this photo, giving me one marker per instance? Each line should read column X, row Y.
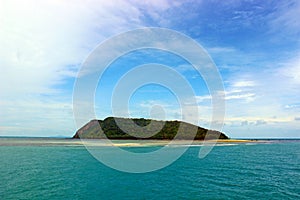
column 113, row 128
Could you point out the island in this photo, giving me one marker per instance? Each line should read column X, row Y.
column 110, row 128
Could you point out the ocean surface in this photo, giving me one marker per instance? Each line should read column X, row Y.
column 239, row 171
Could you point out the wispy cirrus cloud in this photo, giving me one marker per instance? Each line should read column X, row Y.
column 284, row 20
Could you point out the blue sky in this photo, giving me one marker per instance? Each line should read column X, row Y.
column 254, row 44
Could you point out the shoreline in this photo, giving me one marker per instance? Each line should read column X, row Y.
column 17, row 141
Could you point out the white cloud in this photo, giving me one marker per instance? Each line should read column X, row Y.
column 273, row 91
column 244, row 83
column 185, row 68
column 241, row 89
column 257, row 120
column 291, row 70
column 42, row 44
column 157, row 9
column 247, row 96
column 203, row 98
column 32, row 117
column 286, row 17
column 221, row 49
column 292, row 106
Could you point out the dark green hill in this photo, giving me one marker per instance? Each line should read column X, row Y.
column 166, row 130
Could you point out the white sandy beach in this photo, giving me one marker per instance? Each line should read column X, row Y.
column 119, row 143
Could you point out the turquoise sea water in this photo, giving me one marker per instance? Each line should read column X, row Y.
column 258, row 171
